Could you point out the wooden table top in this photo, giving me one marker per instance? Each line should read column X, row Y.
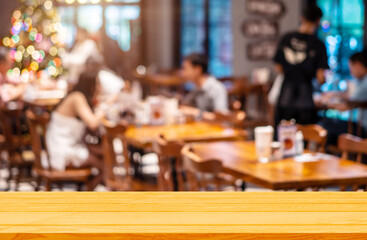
column 320, row 170
column 163, row 79
column 51, row 102
column 183, row 215
column 189, row 132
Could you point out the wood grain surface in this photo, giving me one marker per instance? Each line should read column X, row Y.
column 183, row 215
column 312, row 170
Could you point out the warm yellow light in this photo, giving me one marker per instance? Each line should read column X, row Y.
column 69, row 1
column 53, row 51
column 21, row 49
column 35, row 55
column 61, row 51
column 34, row 66
column 82, row 1
column 6, row 41
column 17, row 14
column 48, row 5
column 30, row 49
column 18, row 56
column 54, row 38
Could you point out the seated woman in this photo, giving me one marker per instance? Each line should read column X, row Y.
column 69, row 123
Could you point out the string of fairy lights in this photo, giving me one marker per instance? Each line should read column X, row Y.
column 34, row 41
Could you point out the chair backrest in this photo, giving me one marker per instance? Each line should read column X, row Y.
column 235, row 90
column 361, row 106
column 37, row 127
column 112, row 132
column 256, row 104
column 198, row 171
column 350, row 144
column 315, row 136
column 12, row 128
column 234, row 119
column 168, row 152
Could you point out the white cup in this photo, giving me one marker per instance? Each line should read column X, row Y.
column 263, row 141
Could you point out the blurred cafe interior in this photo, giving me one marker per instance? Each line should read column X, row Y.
column 183, row 95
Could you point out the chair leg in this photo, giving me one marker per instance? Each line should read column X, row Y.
column 60, row 185
column 243, row 186
column 89, row 185
column 38, row 183
column 48, row 185
column 17, row 179
column 80, row 186
column 10, row 167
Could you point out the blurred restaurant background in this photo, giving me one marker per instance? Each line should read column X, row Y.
column 135, row 123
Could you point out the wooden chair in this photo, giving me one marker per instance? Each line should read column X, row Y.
column 120, row 182
column 205, row 174
column 16, row 141
column 256, row 106
column 315, row 136
column 352, row 145
column 37, row 127
column 235, row 119
column 234, row 86
column 361, row 106
column 169, row 153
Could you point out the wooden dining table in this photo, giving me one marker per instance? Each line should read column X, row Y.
column 183, row 215
column 143, row 137
column 308, row 170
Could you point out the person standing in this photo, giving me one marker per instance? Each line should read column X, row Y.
column 75, row 60
column 301, row 57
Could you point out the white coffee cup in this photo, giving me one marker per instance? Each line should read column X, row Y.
column 263, row 140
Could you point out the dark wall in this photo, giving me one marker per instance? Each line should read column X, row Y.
column 6, row 10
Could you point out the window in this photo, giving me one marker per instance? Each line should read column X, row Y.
column 196, row 15
column 342, row 30
column 118, row 26
column 220, row 38
column 90, row 17
column 67, row 33
column 120, row 19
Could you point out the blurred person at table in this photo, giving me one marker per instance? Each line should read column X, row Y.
column 10, row 89
column 335, row 127
column 68, row 125
column 75, row 60
column 209, row 94
column 111, row 84
column 301, row 57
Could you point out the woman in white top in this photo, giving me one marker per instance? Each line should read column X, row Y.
column 68, row 126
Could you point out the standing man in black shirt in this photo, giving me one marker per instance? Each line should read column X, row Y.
column 301, row 57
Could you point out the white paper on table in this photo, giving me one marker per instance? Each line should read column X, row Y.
column 310, row 157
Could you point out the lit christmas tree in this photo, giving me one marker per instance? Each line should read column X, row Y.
column 34, row 41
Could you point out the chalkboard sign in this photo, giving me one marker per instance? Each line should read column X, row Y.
column 261, row 50
column 260, row 29
column 269, row 8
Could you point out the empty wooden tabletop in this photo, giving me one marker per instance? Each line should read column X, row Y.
column 178, row 216
column 189, row 132
column 319, row 170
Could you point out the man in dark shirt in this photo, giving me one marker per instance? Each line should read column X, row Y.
column 301, row 57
